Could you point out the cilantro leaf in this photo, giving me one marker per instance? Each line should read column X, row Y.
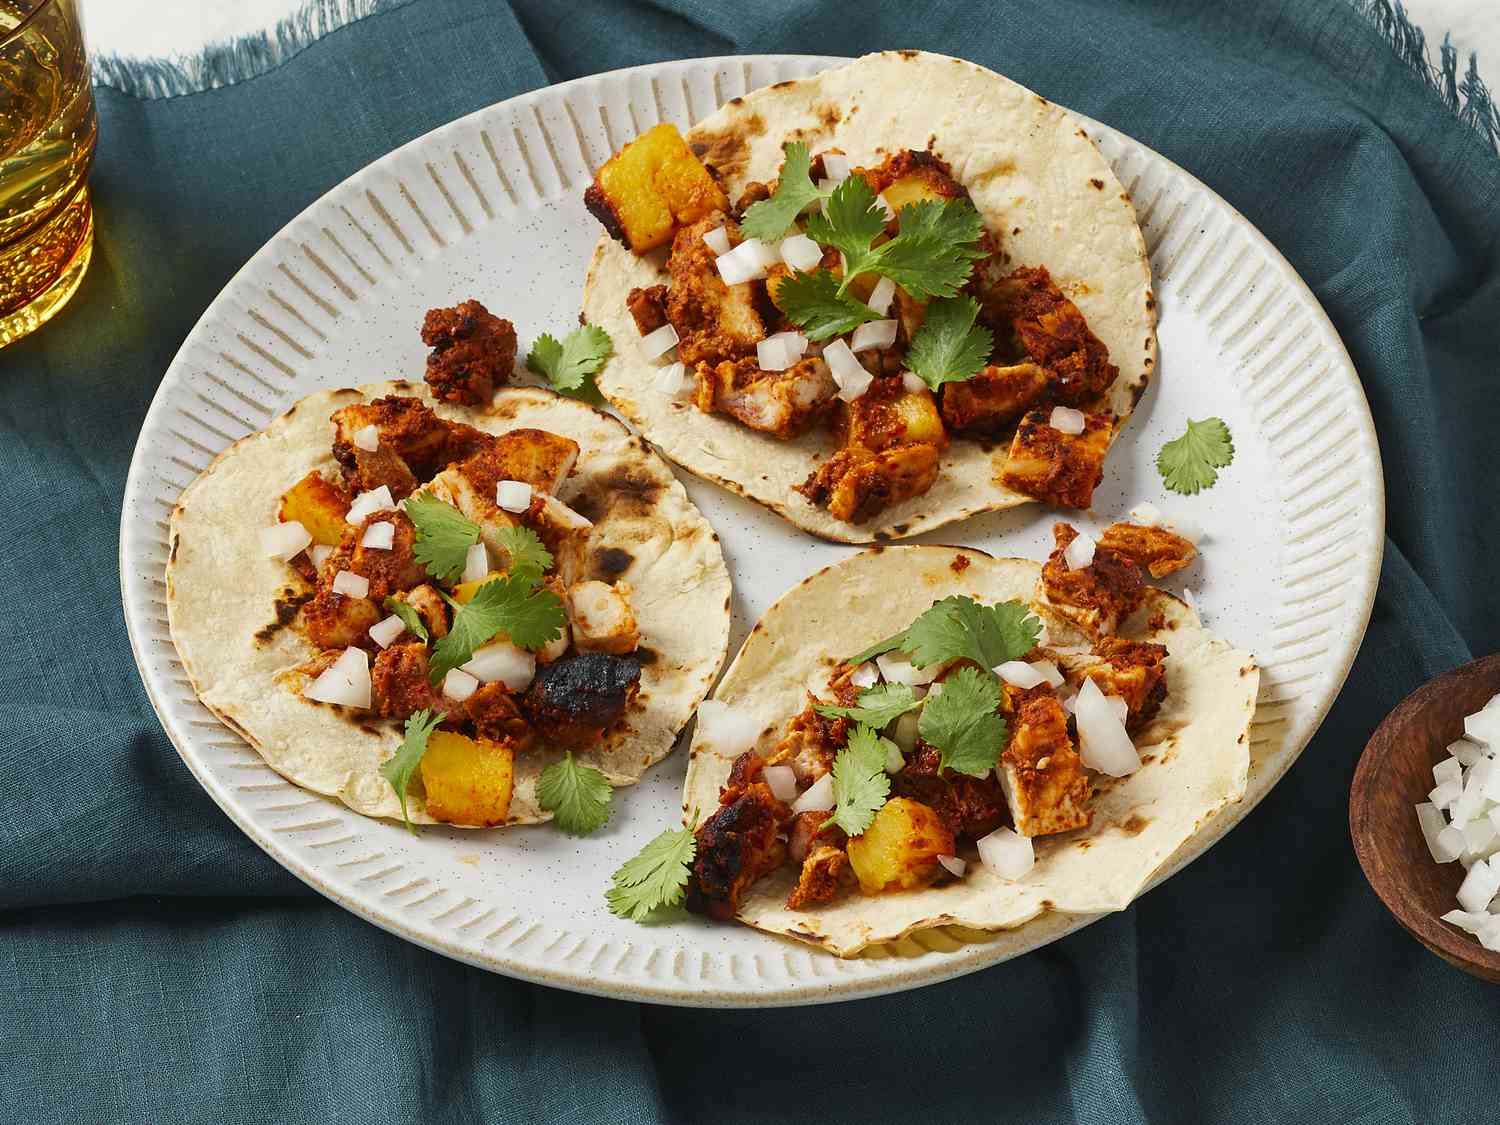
column 960, row 720
column 960, row 628
column 879, row 648
column 409, row 617
column 443, row 536
column 577, row 796
column 878, row 705
column 403, row 763
column 656, row 877
column 813, row 302
column 569, row 365
column 850, row 221
column 529, row 616
column 1188, row 464
column 860, row 784
column 950, row 347
column 527, row 552
column 769, row 219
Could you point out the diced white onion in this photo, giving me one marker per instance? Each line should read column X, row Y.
column 1080, row 553
column 1102, row 742
column 1018, row 673
column 1483, row 727
column 1450, row 839
column 1050, row 673
column 1466, row 921
column 836, row 166
column 1066, row 420
column 385, row 632
column 346, row 681
column 885, row 205
column 319, row 553
column 672, row 380
column 1478, row 836
column 1445, row 794
column 904, row 733
column 366, row 504
column 882, row 296
column 1145, row 514
column 476, row 563
column 513, row 495
column 458, row 685
column 1479, row 886
column 774, row 354
column 717, row 240
column 731, row 730
column 873, row 334
column 1470, row 802
column 912, row 381
column 817, row 798
column 1465, row 751
column 801, row 252
column 865, row 675
column 850, row 375
column 1430, row 817
column 898, row 669
column 1006, row 853
column 502, row 662
column 379, row 536
column 659, row 341
column 895, row 761
column 284, row 540
column 782, row 781
column 795, row 342
column 367, row 439
column 746, row 262
column 351, row 585
column 1181, row 525
column 953, row 865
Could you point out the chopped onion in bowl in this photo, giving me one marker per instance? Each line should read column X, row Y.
column 1431, row 819
column 502, row 662
column 366, row 504
column 385, row 632
column 717, row 240
column 367, row 438
column 1018, row 673
column 513, row 495
column 351, row 585
column 1080, row 552
column 873, row 334
column 476, row 563
column 1479, row 886
column 1007, row 854
column 953, row 865
column 801, row 252
column 1483, row 727
column 1465, row 751
column 912, row 381
column 672, row 380
column 817, row 798
column 284, row 541
column 1103, row 743
column 659, row 341
column 458, row 685
column 782, row 781
column 836, row 166
column 1066, row 420
column 850, row 375
column 345, row 682
column 1147, row 515
column 731, row 730
column 379, row 536
column 882, row 296
column 865, row 675
column 897, row 669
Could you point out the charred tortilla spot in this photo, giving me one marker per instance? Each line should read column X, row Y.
column 1150, row 300
column 286, row 604
column 1135, row 825
column 611, row 562
column 908, row 53
column 172, row 557
column 647, row 657
column 1098, row 184
column 787, row 84
column 727, row 152
column 829, row 115
column 959, row 564
column 368, row 728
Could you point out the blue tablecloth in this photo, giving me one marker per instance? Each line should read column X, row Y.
column 157, row 967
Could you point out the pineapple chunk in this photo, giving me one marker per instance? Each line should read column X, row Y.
column 652, row 186
column 912, row 177
column 1054, row 467
column 464, row 592
column 468, row 780
column 918, row 412
column 900, row 848
column 317, row 505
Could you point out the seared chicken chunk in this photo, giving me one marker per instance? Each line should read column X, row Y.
column 430, row 607
column 648, row 307
column 1155, row 548
column 738, row 844
column 413, row 443
column 497, row 716
column 1135, row 671
column 820, row 879
column 1052, row 331
column 473, row 352
column 601, row 617
column 1040, row 770
column 992, row 401
column 913, row 176
column 398, row 683
column 1054, row 467
column 1095, row 597
column 388, row 569
column 331, row 620
column 811, row 743
column 807, row 832
column 714, row 321
column 780, row 403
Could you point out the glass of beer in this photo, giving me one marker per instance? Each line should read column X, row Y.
column 47, row 134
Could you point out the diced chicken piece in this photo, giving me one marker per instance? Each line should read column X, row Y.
column 473, row 352
column 331, row 620
column 650, row 187
column 780, row 403
column 913, row 176
column 497, row 716
column 1095, row 597
column 648, row 307
column 1054, row 467
column 807, row 831
column 738, row 844
column 992, row 401
column 537, row 457
column 971, row 807
column 413, row 443
column 820, row 880
column 714, row 321
column 398, row 683
column 1135, row 671
column 430, row 608
column 389, row 570
column 601, row 617
column 1053, row 332
column 1040, row 771
column 810, row 744
column 1156, row 549
column 573, row 701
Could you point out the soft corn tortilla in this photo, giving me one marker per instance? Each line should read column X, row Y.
column 1033, row 174
column 1196, row 751
column 221, row 589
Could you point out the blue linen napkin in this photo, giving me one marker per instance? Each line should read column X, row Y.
column 157, row 967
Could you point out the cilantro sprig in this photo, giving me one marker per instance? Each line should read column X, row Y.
column 409, row 617
column 656, row 877
column 443, row 536
column 571, row 363
column 961, row 721
column 769, row 219
column 878, row 706
column 960, row 628
column 403, row 763
column 529, row 615
column 950, row 347
column 816, row 304
column 860, row 784
column 576, row 795
column 1190, row 463
column 525, row 549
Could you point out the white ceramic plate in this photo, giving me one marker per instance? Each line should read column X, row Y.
column 490, row 207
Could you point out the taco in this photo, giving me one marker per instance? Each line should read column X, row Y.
column 900, row 292
column 520, row 581
column 1012, row 739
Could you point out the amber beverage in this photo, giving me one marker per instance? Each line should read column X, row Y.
column 47, row 134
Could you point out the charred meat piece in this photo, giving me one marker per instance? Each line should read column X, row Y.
column 538, row 457
column 992, row 401
column 811, row 743
column 1041, row 772
column 783, row 404
column 473, row 352
column 971, row 807
column 1053, row 332
column 648, row 307
column 497, row 716
column 714, row 321
column 1133, row 670
column 1095, row 597
column 820, row 880
column 573, row 701
column 332, row 620
column 414, row 443
column 1156, row 549
column 738, row 844
column 1057, row 468
column 398, row 683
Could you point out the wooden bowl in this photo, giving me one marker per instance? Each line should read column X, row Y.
column 1395, row 773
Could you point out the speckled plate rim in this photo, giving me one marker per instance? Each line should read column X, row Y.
column 1298, row 713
